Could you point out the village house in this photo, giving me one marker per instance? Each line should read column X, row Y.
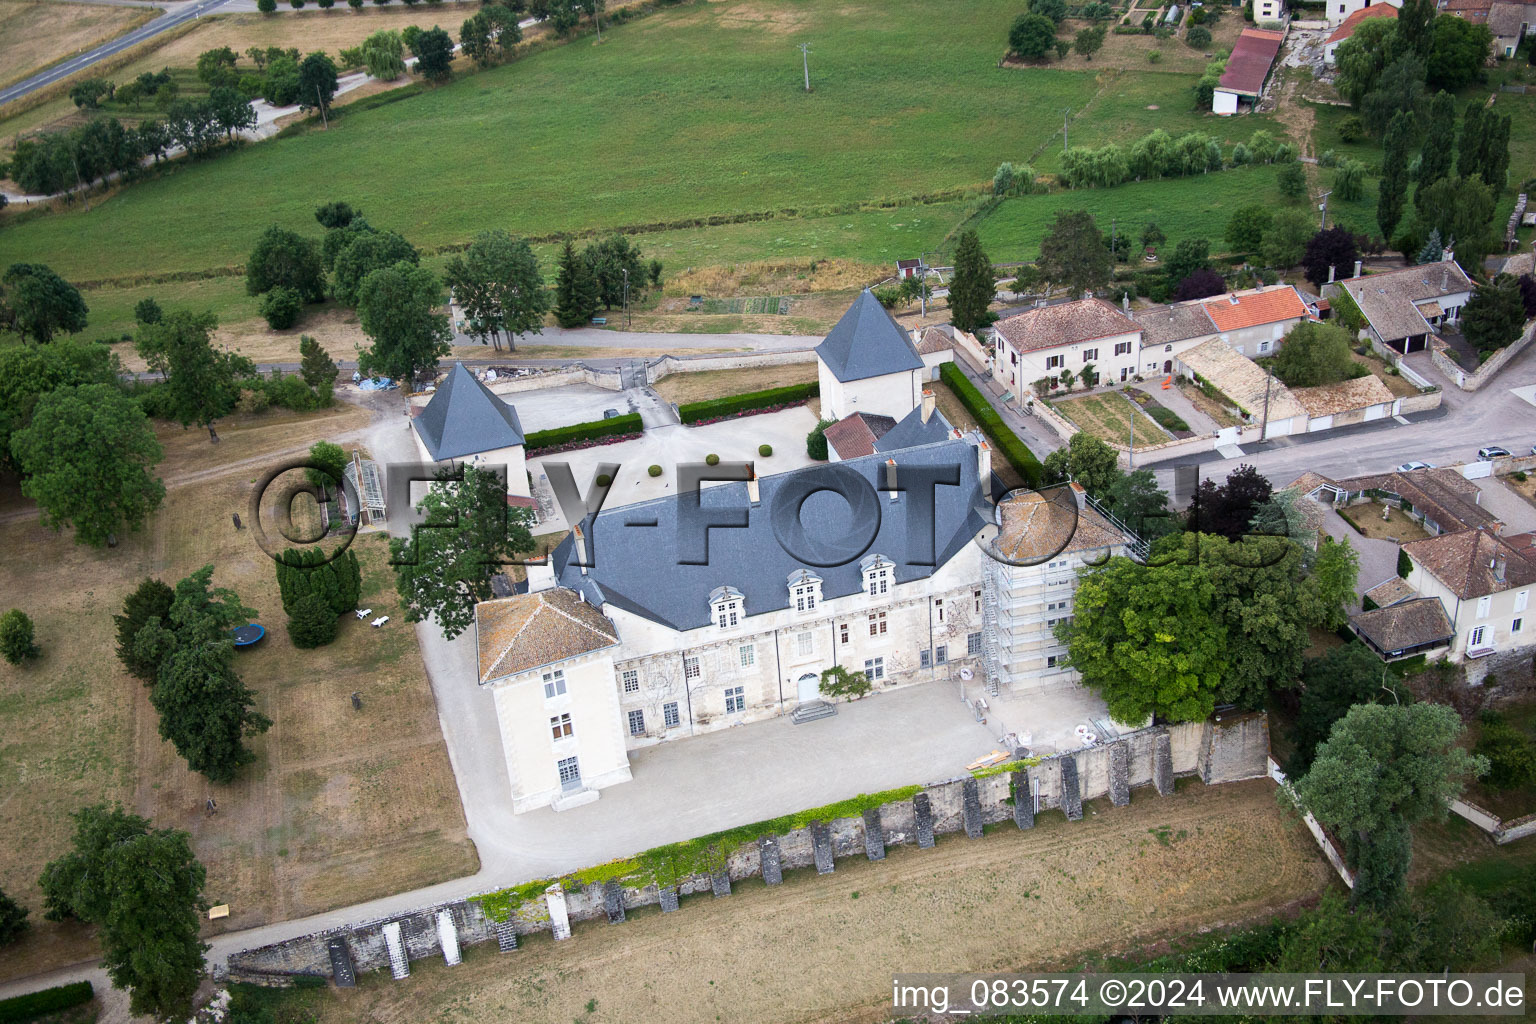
column 1484, row 585
column 1343, row 10
column 1348, row 26
column 1442, row 500
column 1402, row 308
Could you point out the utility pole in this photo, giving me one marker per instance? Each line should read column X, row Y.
column 1114, row 256
column 626, row 297
column 1269, row 377
column 1324, row 207
column 324, row 121
column 805, row 60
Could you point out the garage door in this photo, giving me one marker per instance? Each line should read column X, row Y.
column 1375, row 412
column 1320, row 423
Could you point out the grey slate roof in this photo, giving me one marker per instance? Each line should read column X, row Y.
column 465, row 418
column 912, row 432
column 866, row 342
column 637, row 567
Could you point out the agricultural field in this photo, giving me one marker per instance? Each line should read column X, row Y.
column 340, row 806
column 34, row 34
column 1111, row 417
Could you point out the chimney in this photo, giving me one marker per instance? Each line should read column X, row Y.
column 1331, row 270
column 984, row 463
column 1125, row 302
column 581, row 547
column 1445, row 279
column 753, row 491
column 541, row 574
column 1498, row 568
column 890, row 478
column 928, row 403
column 1357, row 268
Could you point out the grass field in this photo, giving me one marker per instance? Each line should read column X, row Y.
column 1111, row 417
column 34, row 35
column 694, row 387
column 1009, row 901
column 340, row 806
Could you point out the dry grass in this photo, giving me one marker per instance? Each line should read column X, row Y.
column 774, row 278
column 695, row 387
column 340, row 806
column 35, row 35
column 1206, row 404
column 1399, row 385
column 1013, row 900
column 1110, row 417
column 1398, row 526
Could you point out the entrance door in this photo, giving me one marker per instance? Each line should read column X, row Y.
column 1167, row 365
column 810, row 688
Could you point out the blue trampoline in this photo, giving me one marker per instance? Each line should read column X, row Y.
column 249, row 634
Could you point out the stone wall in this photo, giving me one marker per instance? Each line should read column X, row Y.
column 1224, row 749
column 1486, row 372
column 669, row 364
column 1422, row 402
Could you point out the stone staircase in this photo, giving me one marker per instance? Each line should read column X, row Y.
column 810, row 711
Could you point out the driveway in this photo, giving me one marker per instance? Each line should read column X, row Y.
column 1378, row 558
column 1180, row 404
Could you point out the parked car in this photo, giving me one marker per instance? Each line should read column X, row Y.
column 1492, row 452
column 1409, row 467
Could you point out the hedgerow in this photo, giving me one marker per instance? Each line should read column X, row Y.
column 711, row 409
column 1003, row 439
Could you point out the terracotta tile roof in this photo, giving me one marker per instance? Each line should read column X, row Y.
column 1389, row 300
column 1455, row 6
column 1442, row 495
column 1524, row 543
column 1332, row 399
column 1252, row 308
column 1065, row 323
column 1308, row 482
column 1250, row 61
column 935, row 339
column 1348, row 25
column 529, row 631
column 1467, row 563
column 1163, row 325
column 1393, row 591
column 1404, row 625
column 855, row 435
column 1034, row 525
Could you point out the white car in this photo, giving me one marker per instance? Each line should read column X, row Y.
column 1409, row 467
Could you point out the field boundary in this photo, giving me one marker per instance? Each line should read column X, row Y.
column 143, row 17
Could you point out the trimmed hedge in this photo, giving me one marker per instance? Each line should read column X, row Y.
column 629, row 423
column 49, row 1000
column 751, row 401
column 1003, row 439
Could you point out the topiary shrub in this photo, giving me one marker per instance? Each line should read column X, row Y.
column 654, row 471
column 1404, row 563
column 765, row 450
column 266, row 6
column 313, row 623
column 711, row 459
column 1198, row 37
column 816, row 441
column 16, row 637
column 281, row 307
column 603, row 479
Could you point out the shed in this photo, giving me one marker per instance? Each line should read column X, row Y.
column 1247, row 70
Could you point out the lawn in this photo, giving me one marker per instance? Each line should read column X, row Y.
column 35, row 35
column 1120, row 879
column 694, row 387
column 340, row 806
column 1111, row 417
column 1506, row 803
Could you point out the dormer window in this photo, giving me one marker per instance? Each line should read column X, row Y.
column 804, row 590
column 726, row 607
column 877, row 574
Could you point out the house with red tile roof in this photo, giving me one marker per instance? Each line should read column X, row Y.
column 1348, row 26
column 1247, row 70
column 1337, row 11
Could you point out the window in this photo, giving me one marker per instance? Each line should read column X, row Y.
column 938, row 608
column 805, row 598
column 1013, row 357
column 1122, row 348
column 879, row 582
column 877, row 624
column 1484, row 604
column 631, row 681
column 1054, row 362
column 690, row 668
column 925, row 658
column 1167, row 348
column 669, row 716
column 637, row 723
column 560, row 727
column 748, row 653
column 842, row 633
column 941, row 654
column 554, row 683
column 1090, row 354
column 1475, row 639
column 570, row 773
column 972, row 644
column 1050, row 661
column 735, row 700
column 976, row 599
column 874, row 669
column 1263, row 347
column 1125, row 373
column 805, row 643
column 1522, row 599
column 726, row 615
column 1514, row 627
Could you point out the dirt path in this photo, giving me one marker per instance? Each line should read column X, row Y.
column 1298, row 117
column 822, row 949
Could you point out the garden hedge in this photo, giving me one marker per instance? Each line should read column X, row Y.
column 1003, row 439
column 49, row 1000
column 629, row 423
column 751, row 401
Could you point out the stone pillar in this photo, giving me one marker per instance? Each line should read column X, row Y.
column 1071, row 795
column 667, row 897
column 970, row 802
column 1120, row 773
column 821, row 846
column 342, row 971
column 506, row 936
column 720, row 882
column 874, row 835
column 922, row 816
column 1162, row 764
column 768, row 857
column 613, row 901
column 448, row 937
column 559, row 917
column 1023, row 799
column 399, row 963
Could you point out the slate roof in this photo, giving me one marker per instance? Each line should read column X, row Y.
column 1065, row 323
column 866, row 342
column 1404, row 625
column 465, row 418
column 1237, row 310
column 855, row 435
column 1389, row 300
column 1249, row 64
column 1332, row 399
column 1442, row 495
column 1163, row 325
column 528, row 631
column 639, row 567
column 1465, row 563
column 1348, row 25
column 912, row 432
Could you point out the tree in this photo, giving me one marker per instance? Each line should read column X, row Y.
column 1086, row 460
column 27, row 372
column 840, row 682
column 202, row 383
column 498, row 284
column 1349, row 180
column 1361, row 58
column 1228, row 508
column 1088, row 41
column 1495, row 314
column 1330, row 255
column 281, row 307
column 287, row 259
column 1435, row 159
column 608, row 260
column 16, row 637
column 443, row 572
column 266, row 6
column 335, row 214
column 312, row 623
column 1056, row 10
column 972, row 286
column 144, row 890
column 1190, row 255
column 384, row 55
column 1331, row 685
column 1456, row 53
column 149, row 604
column 1414, row 21
column 1245, row 229
column 1394, row 173
column 1383, row 769
column 475, row 39
column 816, row 441
column 397, row 308
column 1292, row 182
column 1461, row 209
column 317, row 82
column 1073, row 253
column 1399, row 90
column 365, row 251
column 1152, row 236
column 504, row 27
column 576, row 298
column 1032, row 35
column 333, row 462
column 13, row 920
column 1285, row 241
column 1511, row 754
column 316, row 367
column 148, row 311
column 1199, row 285
column 434, row 54
column 36, row 303
column 1138, row 502
column 1528, row 294
column 1482, row 149
column 1314, row 354
column 86, row 459
column 89, row 93
column 1198, row 37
